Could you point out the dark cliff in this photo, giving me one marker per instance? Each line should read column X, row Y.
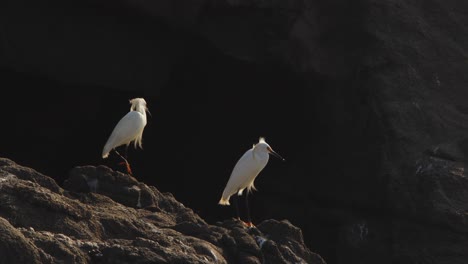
column 365, row 99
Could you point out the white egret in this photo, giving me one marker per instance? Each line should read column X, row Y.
column 129, row 129
column 244, row 173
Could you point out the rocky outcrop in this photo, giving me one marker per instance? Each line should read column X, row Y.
column 378, row 178
column 104, row 216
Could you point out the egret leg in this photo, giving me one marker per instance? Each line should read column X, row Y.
column 129, row 170
column 249, row 220
column 236, row 205
column 126, row 151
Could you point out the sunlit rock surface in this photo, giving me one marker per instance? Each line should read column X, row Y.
column 104, row 216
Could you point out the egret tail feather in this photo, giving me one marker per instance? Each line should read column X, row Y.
column 106, row 151
column 224, row 201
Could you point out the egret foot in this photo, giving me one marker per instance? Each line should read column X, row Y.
column 249, row 224
column 127, row 166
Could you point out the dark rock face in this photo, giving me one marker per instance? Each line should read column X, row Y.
column 104, row 216
column 371, row 114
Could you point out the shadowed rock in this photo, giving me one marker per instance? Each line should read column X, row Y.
column 104, row 216
column 15, row 248
column 382, row 84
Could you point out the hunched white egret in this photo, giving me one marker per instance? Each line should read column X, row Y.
column 129, row 129
column 244, row 173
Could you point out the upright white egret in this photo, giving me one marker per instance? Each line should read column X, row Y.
column 128, row 129
column 244, row 173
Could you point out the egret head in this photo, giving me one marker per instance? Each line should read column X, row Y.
column 139, row 104
column 264, row 147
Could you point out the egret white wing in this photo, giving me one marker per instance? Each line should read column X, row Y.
column 243, row 175
column 126, row 130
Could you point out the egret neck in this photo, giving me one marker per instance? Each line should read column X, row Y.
column 260, row 155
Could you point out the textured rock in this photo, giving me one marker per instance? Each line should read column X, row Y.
column 15, row 247
column 380, row 177
column 104, row 216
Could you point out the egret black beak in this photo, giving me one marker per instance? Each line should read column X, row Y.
column 272, row 152
column 149, row 112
